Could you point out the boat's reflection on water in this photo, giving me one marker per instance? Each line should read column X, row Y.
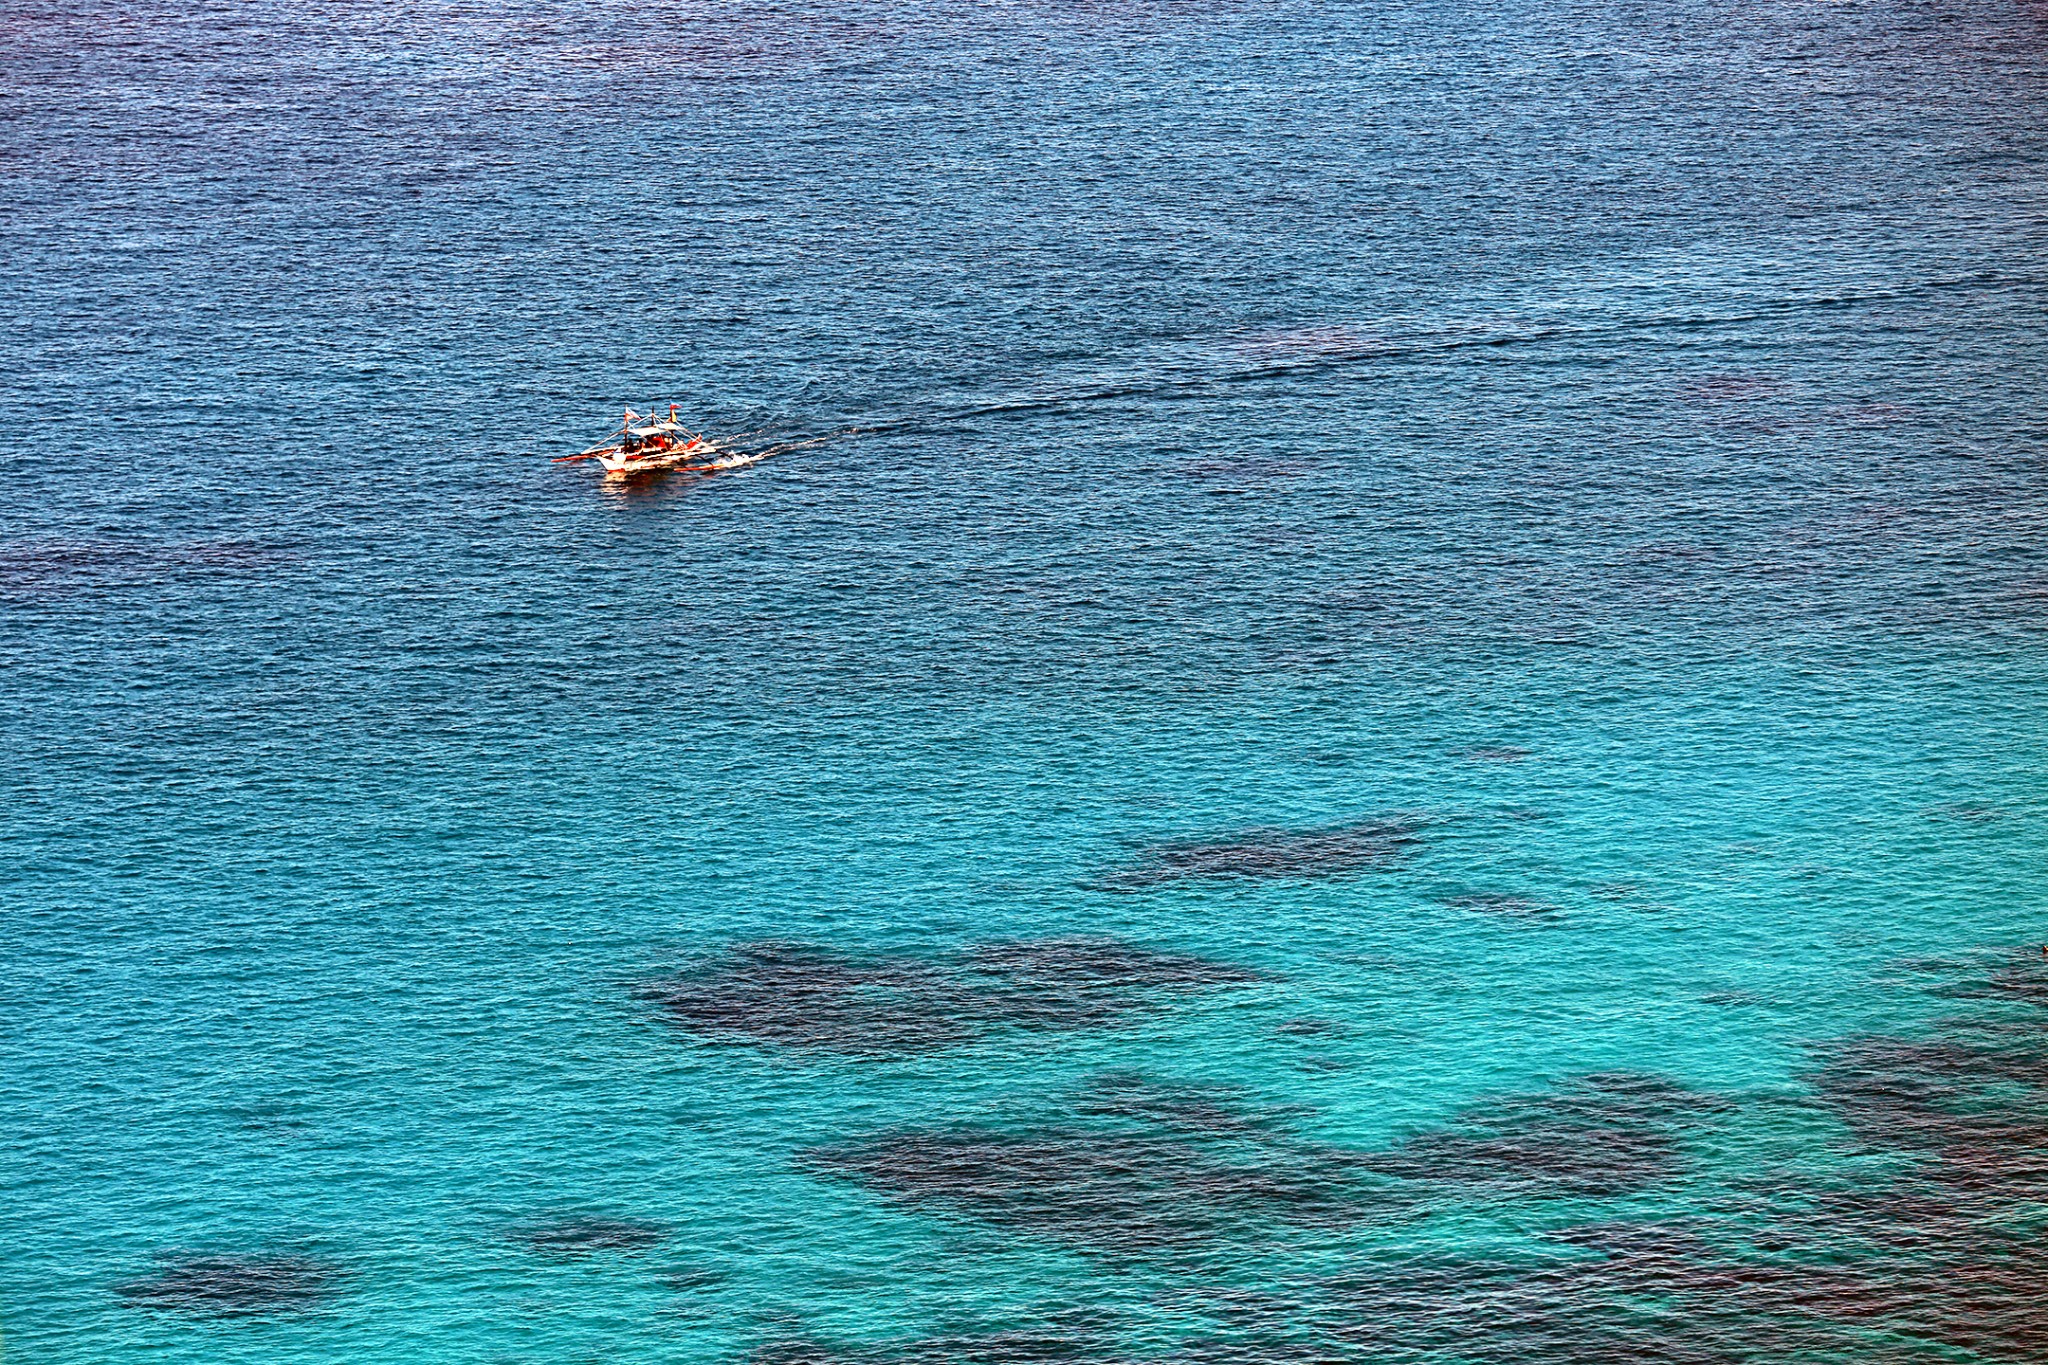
column 659, row 485
column 649, row 487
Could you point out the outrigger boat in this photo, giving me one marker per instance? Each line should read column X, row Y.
column 650, row 446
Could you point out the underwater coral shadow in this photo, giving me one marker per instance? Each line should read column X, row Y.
column 807, row 997
column 1130, row 1166
column 1270, row 854
column 227, row 1284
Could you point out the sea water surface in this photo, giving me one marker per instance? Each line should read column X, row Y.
column 1383, row 701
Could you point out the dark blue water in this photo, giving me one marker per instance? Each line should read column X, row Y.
column 1381, row 701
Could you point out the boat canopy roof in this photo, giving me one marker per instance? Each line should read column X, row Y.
column 654, row 429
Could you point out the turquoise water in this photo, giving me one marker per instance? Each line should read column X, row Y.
column 1467, row 585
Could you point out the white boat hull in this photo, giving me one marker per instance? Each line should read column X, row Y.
column 698, row 454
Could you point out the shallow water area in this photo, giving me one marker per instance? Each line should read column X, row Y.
column 1378, row 696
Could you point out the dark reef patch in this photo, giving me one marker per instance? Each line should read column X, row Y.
column 1946, row 1251
column 1135, row 1166
column 1732, row 999
column 2023, row 980
column 1936, row 1251
column 802, row 996
column 1311, row 1028
column 1497, row 753
column 586, row 1236
column 1081, row 982
column 1045, row 1346
column 1272, row 854
column 220, row 1285
column 1973, row 813
column 1324, row 1063
column 1601, row 1135
column 1145, row 1192
column 1127, row 1166
column 1500, row 903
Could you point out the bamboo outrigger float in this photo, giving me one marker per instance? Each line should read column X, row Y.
column 650, row 446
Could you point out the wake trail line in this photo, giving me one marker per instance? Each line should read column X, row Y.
column 1394, row 350
column 1335, row 359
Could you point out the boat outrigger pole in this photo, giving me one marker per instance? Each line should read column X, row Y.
column 606, row 446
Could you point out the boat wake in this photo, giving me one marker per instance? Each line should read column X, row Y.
column 1221, row 364
column 1229, row 362
column 737, row 460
